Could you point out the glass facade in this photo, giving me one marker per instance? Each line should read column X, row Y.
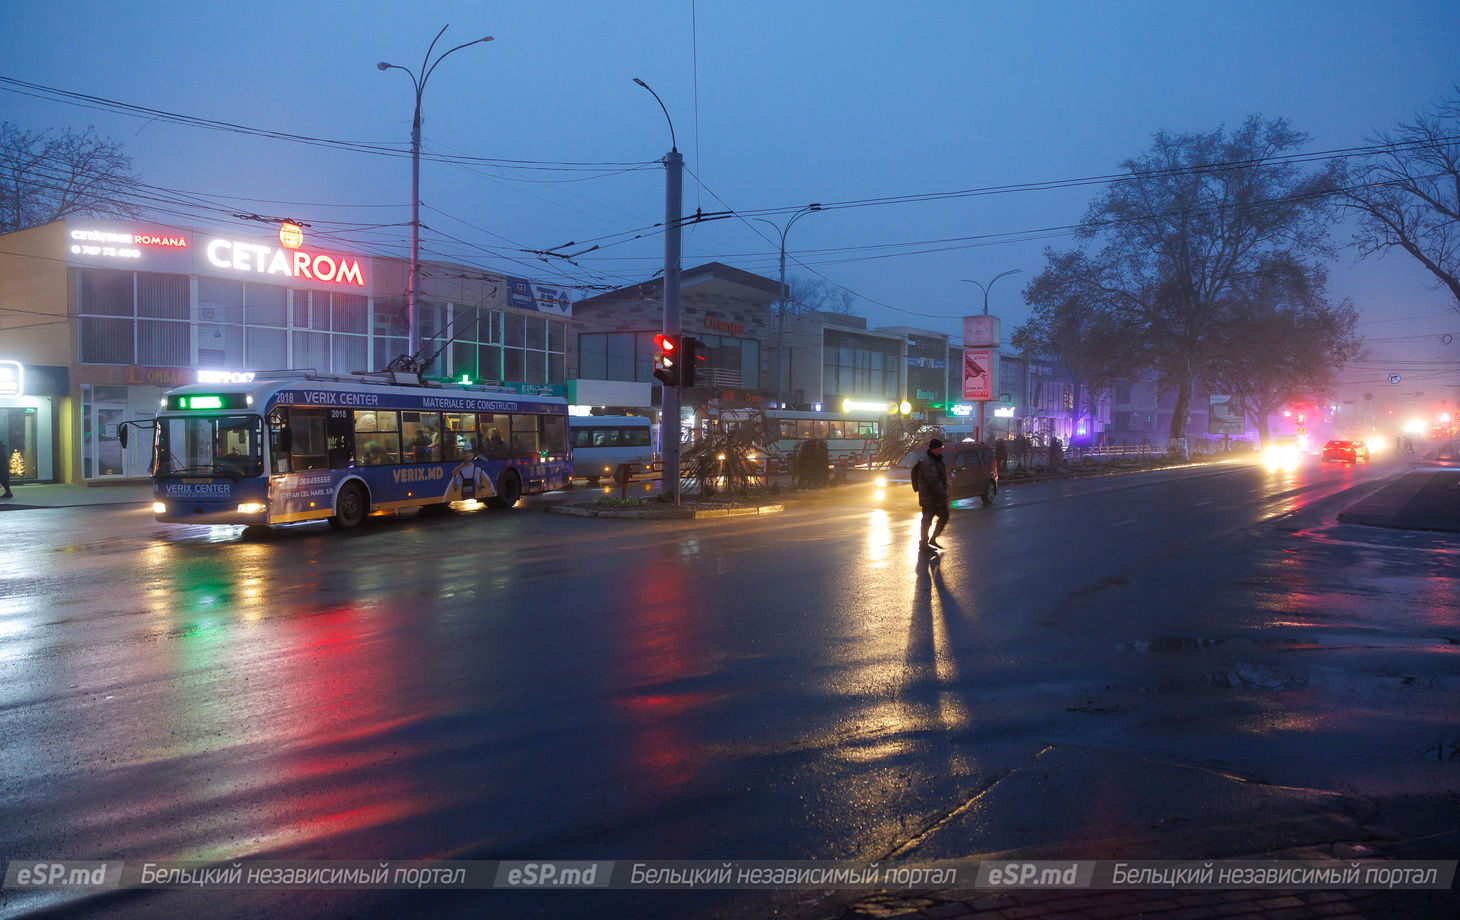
column 859, row 367
column 140, row 318
column 629, row 356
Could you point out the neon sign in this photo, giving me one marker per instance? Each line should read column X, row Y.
column 266, row 260
column 206, row 376
column 122, row 245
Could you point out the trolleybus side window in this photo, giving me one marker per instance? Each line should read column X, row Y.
column 555, row 434
column 494, row 432
column 524, row 436
column 341, row 433
column 421, row 435
column 459, row 435
column 377, row 437
column 308, row 442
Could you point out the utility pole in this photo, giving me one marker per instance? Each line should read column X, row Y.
column 669, row 423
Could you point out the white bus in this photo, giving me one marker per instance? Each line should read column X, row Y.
column 851, row 437
column 602, row 442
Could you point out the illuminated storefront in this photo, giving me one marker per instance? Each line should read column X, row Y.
column 128, row 310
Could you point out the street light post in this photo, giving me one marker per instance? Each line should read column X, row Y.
column 985, row 288
column 413, row 343
column 669, row 422
column 785, row 297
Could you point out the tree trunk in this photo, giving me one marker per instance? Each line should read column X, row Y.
column 1184, row 393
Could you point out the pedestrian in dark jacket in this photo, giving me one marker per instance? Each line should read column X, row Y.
column 932, row 493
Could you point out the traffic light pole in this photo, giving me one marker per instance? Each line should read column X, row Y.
column 669, row 418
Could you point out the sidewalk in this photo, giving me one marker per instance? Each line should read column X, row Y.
column 1418, row 500
column 61, row 495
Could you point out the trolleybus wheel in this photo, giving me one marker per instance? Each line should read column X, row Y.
column 509, row 489
column 350, row 509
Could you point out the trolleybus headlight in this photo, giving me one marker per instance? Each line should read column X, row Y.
column 159, row 507
column 251, row 508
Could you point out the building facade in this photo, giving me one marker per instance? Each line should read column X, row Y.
column 103, row 317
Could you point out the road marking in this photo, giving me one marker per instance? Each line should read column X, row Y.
column 1207, row 502
column 1123, row 523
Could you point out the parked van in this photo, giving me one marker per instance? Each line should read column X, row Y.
column 971, row 470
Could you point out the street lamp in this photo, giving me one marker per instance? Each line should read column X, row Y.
column 669, row 416
column 985, row 289
column 781, row 323
column 413, row 343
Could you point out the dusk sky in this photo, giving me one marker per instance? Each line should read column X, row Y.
column 774, row 104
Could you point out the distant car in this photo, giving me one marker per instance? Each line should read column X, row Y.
column 1345, row 452
column 971, row 471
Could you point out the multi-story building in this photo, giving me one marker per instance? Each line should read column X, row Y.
column 833, row 357
column 611, row 344
column 102, row 317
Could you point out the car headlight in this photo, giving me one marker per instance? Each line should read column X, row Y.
column 881, row 482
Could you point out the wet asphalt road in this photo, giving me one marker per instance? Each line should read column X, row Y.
column 526, row 685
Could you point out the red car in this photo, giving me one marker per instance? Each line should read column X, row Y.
column 1346, row 451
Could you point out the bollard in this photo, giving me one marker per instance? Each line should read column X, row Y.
column 622, row 475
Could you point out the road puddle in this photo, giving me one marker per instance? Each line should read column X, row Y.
column 1246, row 676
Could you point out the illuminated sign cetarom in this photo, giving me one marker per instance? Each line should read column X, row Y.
column 296, row 263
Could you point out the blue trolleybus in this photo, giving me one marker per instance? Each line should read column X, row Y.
column 308, row 447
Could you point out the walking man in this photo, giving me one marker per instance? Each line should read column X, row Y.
column 932, row 480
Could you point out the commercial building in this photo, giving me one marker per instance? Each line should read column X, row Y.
column 611, row 348
column 99, row 318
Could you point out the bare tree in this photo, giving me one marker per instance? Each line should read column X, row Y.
column 1195, row 218
column 1408, row 195
column 1288, row 343
column 816, row 295
column 50, row 175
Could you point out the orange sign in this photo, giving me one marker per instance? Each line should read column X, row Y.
column 291, row 236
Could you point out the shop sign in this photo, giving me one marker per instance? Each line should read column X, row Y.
column 233, row 255
column 723, row 327
column 12, row 379
column 123, row 244
column 137, row 375
column 207, row 376
column 538, row 389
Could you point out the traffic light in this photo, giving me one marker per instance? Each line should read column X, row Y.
column 666, row 361
column 688, row 361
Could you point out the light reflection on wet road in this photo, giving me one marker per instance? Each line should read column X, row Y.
column 533, row 686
